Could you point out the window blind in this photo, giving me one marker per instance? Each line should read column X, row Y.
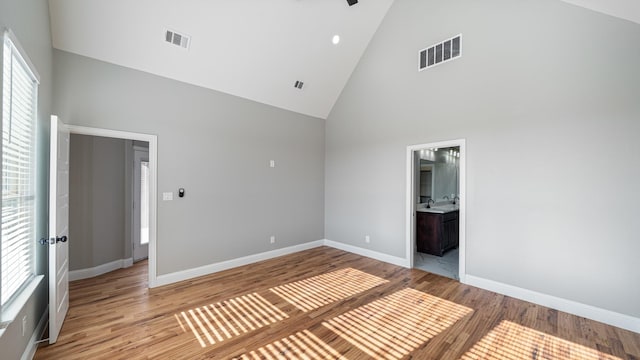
column 19, row 91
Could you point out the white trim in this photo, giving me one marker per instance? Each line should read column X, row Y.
column 229, row 264
column 100, row 269
column 368, row 253
column 572, row 307
column 11, row 310
column 38, row 332
column 153, row 182
column 410, row 199
column 23, row 54
column 246, row 260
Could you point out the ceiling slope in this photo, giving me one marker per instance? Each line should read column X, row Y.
column 254, row 49
column 624, row 9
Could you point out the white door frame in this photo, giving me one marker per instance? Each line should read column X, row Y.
column 153, row 181
column 410, row 201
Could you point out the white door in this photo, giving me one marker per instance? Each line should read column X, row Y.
column 140, row 203
column 58, row 227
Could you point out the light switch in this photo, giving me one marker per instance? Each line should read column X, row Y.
column 272, row 163
column 167, row 196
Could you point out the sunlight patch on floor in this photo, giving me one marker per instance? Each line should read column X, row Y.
column 226, row 319
column 301, row 345
column 394, row 326
column 511, row 341
column 315, row 292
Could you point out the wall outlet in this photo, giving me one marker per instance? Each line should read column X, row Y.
column 273, row 239
column 367, row 239
column 24, row 325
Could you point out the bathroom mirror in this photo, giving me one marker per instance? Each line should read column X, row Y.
column 439, row 170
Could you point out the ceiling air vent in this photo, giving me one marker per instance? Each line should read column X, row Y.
column 298, row 85
column 177, row 39
column 440, row 53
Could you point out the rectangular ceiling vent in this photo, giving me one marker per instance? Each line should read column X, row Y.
column 177, row 39
column 440, row 53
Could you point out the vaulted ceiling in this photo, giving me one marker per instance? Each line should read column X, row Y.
column 255, row 49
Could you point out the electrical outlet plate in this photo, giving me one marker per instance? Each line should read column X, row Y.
column 367, row 239
column 273, row 239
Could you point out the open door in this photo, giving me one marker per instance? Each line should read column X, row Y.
column 58, row 227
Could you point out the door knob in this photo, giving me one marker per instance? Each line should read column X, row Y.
column 45, row 241
column 52, row 241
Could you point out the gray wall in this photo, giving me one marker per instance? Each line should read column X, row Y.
column 29, row 20
column 97, row 201
column 218, row 148
column 546, row 95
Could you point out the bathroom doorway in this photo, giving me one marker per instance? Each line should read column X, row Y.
column 436, row 208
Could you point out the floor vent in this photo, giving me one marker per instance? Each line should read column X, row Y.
column 298, row 84
column 440, row 53
column 177, row 39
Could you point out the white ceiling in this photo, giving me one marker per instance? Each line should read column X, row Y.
column 255, row 49
column 625, row 9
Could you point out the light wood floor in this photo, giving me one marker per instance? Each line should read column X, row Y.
column 320, row 304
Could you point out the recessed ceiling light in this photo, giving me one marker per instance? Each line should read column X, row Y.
column 336, row 39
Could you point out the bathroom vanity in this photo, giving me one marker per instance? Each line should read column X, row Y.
column 437, row 229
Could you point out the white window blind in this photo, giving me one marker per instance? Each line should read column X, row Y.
column 19, row 92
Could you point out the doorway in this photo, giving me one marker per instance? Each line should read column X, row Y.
column 152, row 141
column 436, row 211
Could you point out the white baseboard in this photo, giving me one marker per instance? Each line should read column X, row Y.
column 229, row 264
column 572, row 307
column 32, row 346
column 100, row 269
column 368, row 253
column 591, row 312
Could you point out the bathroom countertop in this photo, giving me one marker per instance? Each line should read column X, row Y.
column 440, row 209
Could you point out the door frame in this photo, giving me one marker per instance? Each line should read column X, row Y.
column 411, row 201
column 153, row 182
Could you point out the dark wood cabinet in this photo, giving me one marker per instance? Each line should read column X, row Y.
column 436, row 233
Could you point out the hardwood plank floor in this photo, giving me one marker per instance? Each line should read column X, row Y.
column 320, row 304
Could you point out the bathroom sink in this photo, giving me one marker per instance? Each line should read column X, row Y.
column 441, row 209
